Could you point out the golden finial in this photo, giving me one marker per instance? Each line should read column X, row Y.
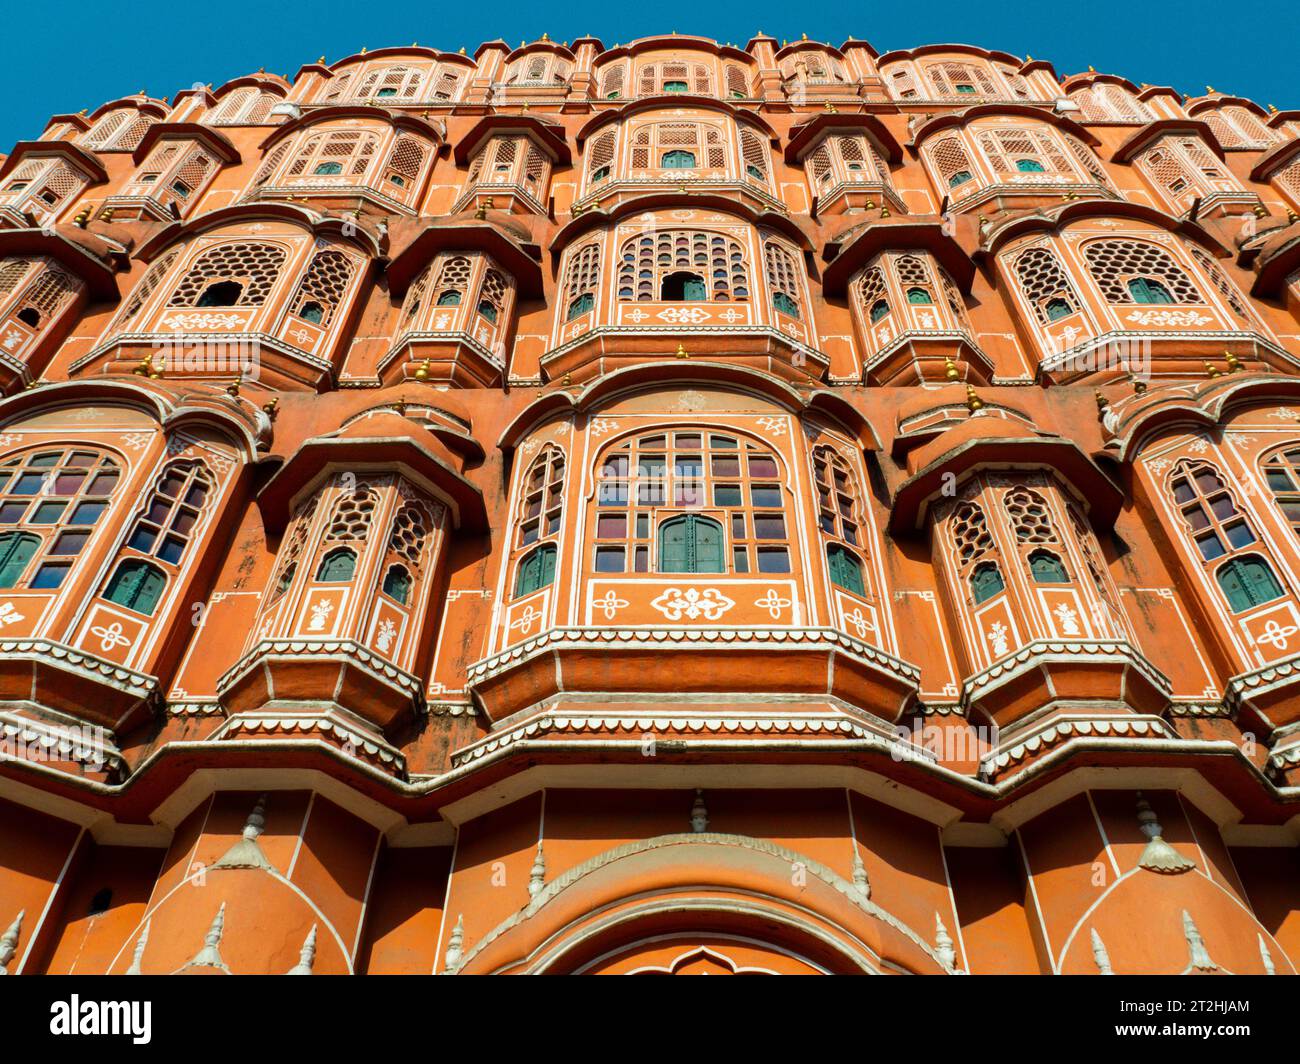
column 1102, row 403
column 973, row 402
column 142, row 93
column 269, row 409
column 1028, row 58
column 1292, row 217
column 1091, row 69
column 83, row 216
column 145, row 368
column 524, row 106
column 480, row 212
column 462, row 50
column 363, row 49
column 232, row 389
column 870, row 205
column 831, row 109
column 1260, row 211
column 884, row 212
column 1272, row 108
column 950, row 370
column 106, row 215
column 1234, row 363
column 682, row 188
column 985, row 227
column 261, row 70
column 566, row 380
column 422, row 371
column 1139, row 386
column 320, row 61
column 803, row 36
column 681, row 350
column 1211, row 370
column 1210, row 89
column 546, row 37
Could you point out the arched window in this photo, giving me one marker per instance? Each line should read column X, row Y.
column 542, row 503
column 581, row 281
column 1247, row 582
column 1030, row 166
column 337, row 566
column 871, row 294
column 647, row 261
column 1047, row 568
column 782, row 278
column 59, row 495
column 323, row 287
column 397, row 583
column 734, row 481
column 1044, row 284
column 879, row 309
column 450, row 298
column 536, row 570
column 678, row 146
column 600, row 156
column 678, row 160
column 1282, row 473
column 1209, row 511
column 919, row 297
column 1025, row 151
column 950, row 159
column 137, row 585
column 452, row 283
column 1116, row 264
column 166, row 525
column 1029, row 515
column 986, row 581
column 845, row 568
column 344, row 153
column 239, row 272
column 682, row 286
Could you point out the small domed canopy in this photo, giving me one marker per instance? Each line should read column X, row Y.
column 1277, row 260
column 548, row 134
column 1275, row 158
column 675, row 42
column 609, row 386
column 357, row 230
column 385, row 438
column 272, row 83
column 78, row 157
column 950, row 49
column 146, row 104
column 1152, row 131
column 399, row 52
column 507, row 241
column 855, row 247
column 806, row 134
column 213, row 140
column 1090, row 77
column 982, row 442
column 1057, row 219
column 959, row 119
column 598, row 218
column 676, row 103
column 1134, row 418
column 924, row 416
column 407, row 123
column 548, row 46
column 94, row 259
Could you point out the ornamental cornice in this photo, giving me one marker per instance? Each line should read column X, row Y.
column 1047, row 651
column 349, row 650
column 1054, row 732
column 642, row 637
column 137, row 684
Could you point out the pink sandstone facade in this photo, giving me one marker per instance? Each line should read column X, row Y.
column 666, row 507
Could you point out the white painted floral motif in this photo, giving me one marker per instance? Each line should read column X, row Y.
column 997, row 635
column 9, row 615
column 861, row 624
column 692, row 603
column 775, row 426
column 773, row 603
column 319, row 615
column 602, row 425
column 684, row 315
column 135, row 440
column 110, row 637
column 1168, row 317
column 185, row 322
column 385, row 635
column 610, row 604
column 526, row 619
column 1276, row 635
column 1068, row 618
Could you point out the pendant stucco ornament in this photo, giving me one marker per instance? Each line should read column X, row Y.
column 1158, row 856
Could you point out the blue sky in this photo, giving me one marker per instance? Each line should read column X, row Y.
column 1246, row 49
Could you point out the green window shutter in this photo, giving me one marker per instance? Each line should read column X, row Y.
column 536, row 571
column 1261, row 585
column 672, row 546
column 137, row 586
column 708, row 546
column 693, row 290
column 337, row 566
column 846, row 572
column 16, row 550
column 986, row 582
column 1047, row 568
column 679, row 160
column 690, row 544
column 1234, row 588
